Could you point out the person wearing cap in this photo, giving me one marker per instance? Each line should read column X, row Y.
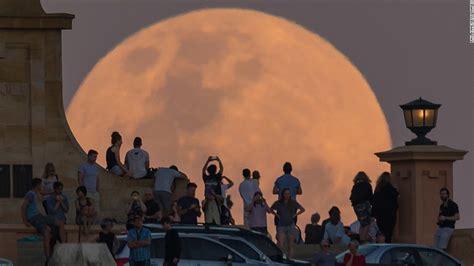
column 139, row 241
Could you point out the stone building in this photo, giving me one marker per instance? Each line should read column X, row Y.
column 33, row 126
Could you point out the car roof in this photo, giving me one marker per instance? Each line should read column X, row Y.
column 207, row 237
column 387, row 246
column 181, row 227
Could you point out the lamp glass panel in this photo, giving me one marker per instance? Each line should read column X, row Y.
column 429, row 117
column 408, row 120
column 418, row 117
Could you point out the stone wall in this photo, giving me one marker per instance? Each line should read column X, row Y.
column 33, row 125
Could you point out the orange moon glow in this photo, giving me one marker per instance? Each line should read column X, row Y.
column 255, row 89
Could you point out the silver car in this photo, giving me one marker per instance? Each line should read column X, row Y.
column 196, row 250
column 240, row 239
column 5, row 262
column 404, row 254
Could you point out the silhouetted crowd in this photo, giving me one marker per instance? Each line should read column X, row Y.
column 376, row 210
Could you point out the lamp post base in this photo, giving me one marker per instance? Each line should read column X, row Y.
column 421, row 141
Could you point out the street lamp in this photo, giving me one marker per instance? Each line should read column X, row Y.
column 420, row 117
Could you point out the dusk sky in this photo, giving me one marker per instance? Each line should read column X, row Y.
column 404, row 49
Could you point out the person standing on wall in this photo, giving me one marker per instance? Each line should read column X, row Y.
column 247, row 190
column 385, row 205
column 361, row 199
column 188, row 205
column 88, row 176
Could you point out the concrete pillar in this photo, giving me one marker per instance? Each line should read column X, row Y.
column 419, row 171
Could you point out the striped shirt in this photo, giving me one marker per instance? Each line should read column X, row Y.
column 142, row 253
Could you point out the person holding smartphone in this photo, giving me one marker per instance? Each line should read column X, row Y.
column 136, row 207
column 211, row 176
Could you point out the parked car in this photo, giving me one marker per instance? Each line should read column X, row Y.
column 404, row 254
column 261, row 241
column 197, row 249
column 5, row 262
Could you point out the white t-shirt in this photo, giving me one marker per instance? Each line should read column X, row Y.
column 247, row 190
column 373, row 229
column 224, row 188
column 332, row 232
column 136, row 159
column 164, row 178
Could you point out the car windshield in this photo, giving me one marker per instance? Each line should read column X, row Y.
column 242, row 247
column 265, row 245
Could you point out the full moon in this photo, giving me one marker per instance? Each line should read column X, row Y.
column 254, row 89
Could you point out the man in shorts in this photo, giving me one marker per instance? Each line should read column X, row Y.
column 32, row 216
column 448, row 215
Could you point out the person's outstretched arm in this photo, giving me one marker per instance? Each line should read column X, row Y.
column 231, row 183
column 204, row 168
column 221, row 166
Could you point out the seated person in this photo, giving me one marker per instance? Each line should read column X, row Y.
column 32, row 216
column 57, row 205
column 334, row 230
column 372, row 231
column 112, row 156
column 314, row 232
column 137, row 160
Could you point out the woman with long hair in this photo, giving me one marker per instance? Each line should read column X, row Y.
column 112, row 156
column 361, row 199
column 286, row 209
column 385, row 205
column 49, row 178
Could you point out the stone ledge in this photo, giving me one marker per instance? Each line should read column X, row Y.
column 51, row 21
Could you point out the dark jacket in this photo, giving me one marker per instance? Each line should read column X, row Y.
column 172, row 246
column 385, row 200
column 361, row 192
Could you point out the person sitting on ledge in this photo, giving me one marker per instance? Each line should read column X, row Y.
column 32, row 216
column 137, row 160
column 313, row 231
column 112, row 156
column 334, row 230
column 58, row 205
